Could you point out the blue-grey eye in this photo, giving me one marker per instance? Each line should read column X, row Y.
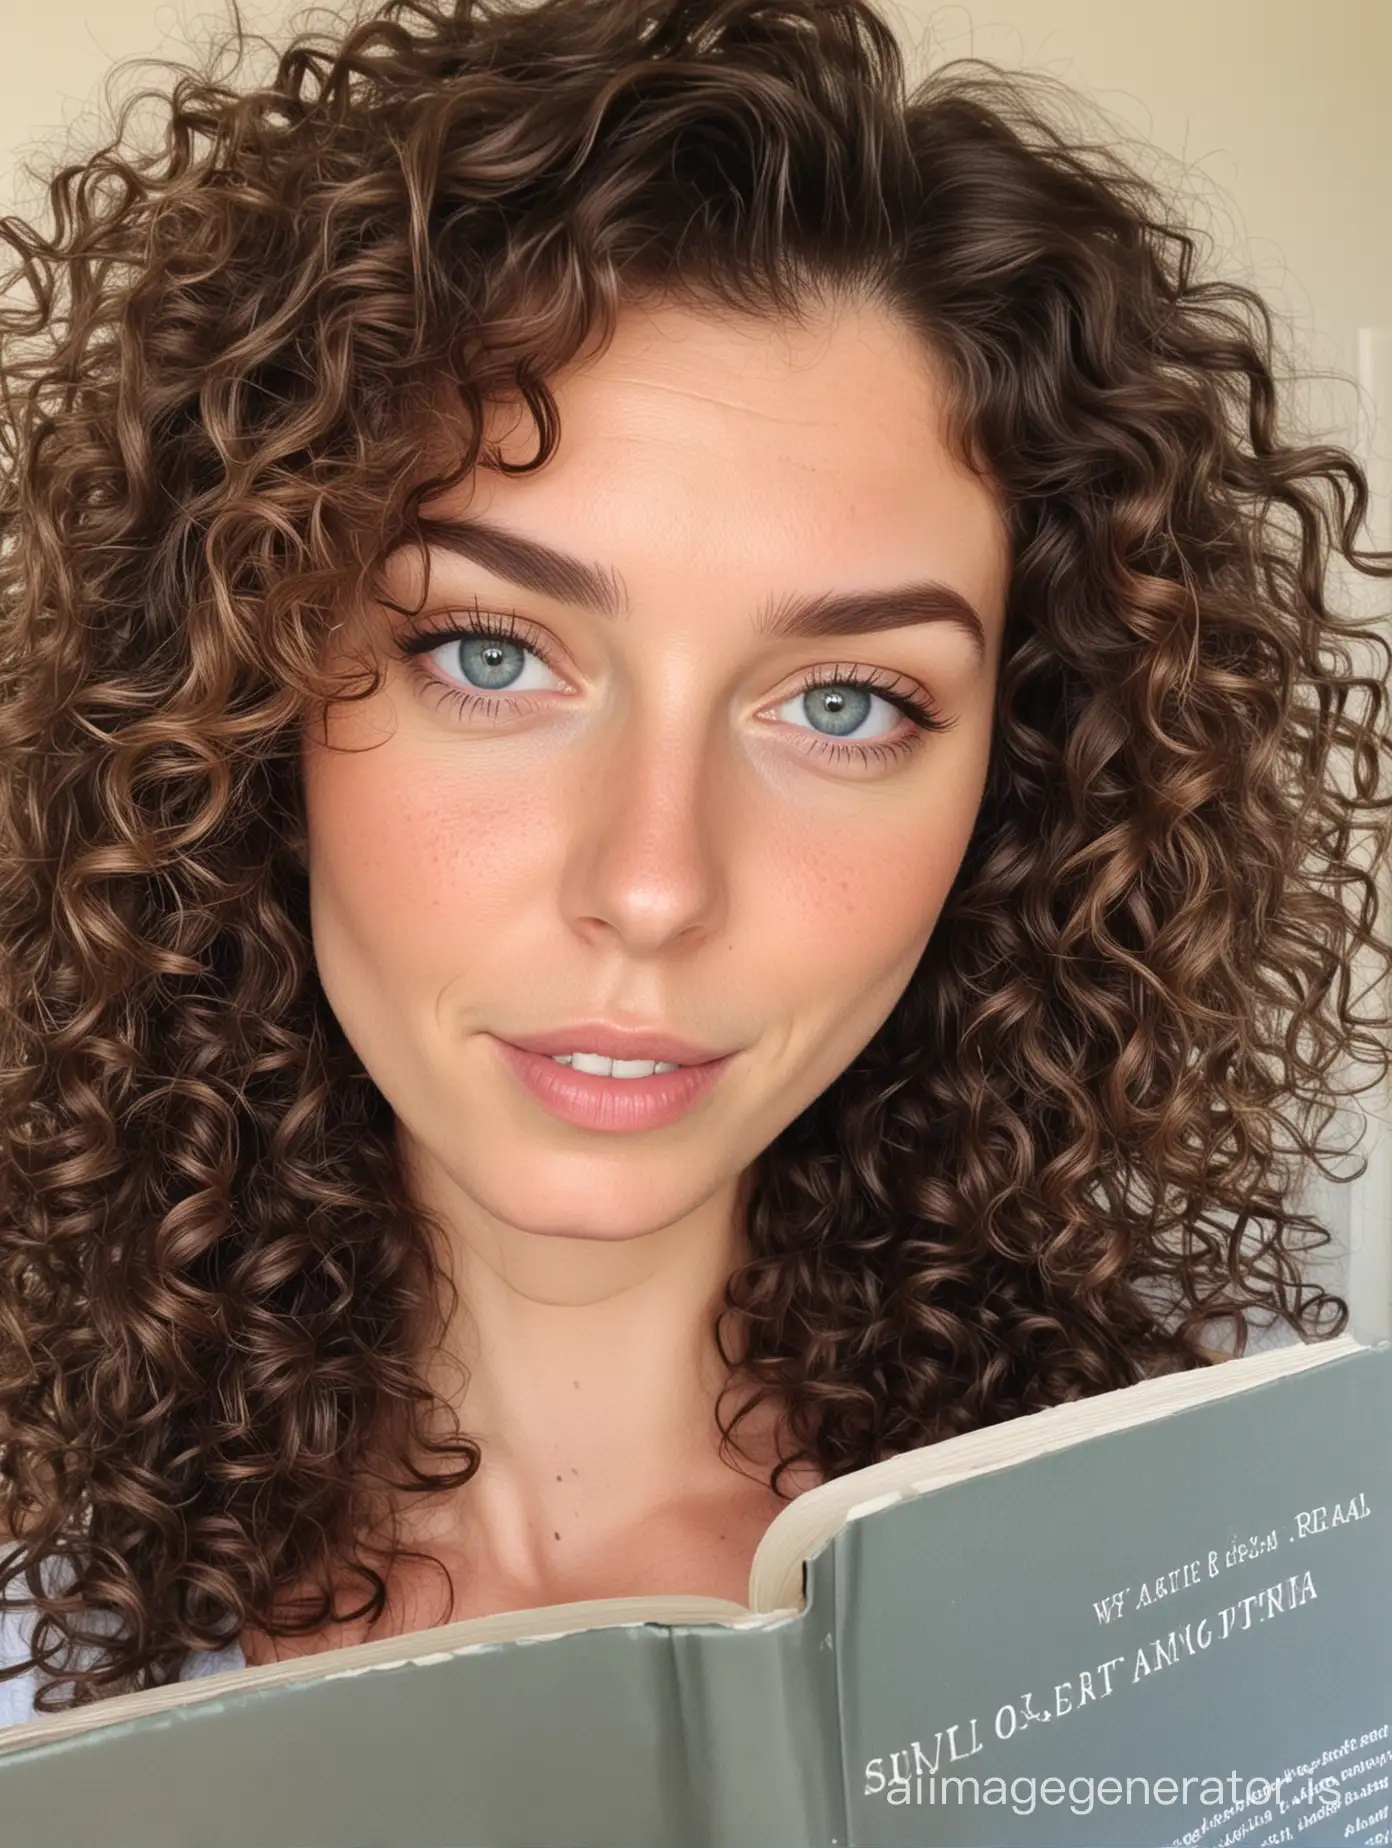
column 491, row 661
column 839, row 711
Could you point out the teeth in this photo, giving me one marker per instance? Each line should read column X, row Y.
column 600, row 1067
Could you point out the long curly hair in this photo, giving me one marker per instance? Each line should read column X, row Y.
column 1067, row 1161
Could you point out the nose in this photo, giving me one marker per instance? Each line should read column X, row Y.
column 653, row 829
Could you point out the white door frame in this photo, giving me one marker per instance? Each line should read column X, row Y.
column 1370, row 1199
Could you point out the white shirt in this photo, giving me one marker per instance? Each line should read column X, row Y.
column 17, row 1696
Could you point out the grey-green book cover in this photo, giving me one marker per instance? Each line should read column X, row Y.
column 1159, row 1616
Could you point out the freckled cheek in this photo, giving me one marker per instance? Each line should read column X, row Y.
column 861, row 899
column 418, row 857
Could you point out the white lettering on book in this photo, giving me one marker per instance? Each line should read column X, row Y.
column 1180, row 1579
column 1270, row 1602
column 1294, row 1801
column 1238, row 1552
column 1184, row 1642
column 1320, row 1520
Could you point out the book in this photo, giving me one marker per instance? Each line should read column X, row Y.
column 1159, row 1615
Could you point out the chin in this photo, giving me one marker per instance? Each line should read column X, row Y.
column 607, row 1201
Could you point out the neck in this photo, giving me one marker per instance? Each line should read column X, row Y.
column 586, row 1369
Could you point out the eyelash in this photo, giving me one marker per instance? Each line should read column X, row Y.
column 922, row 715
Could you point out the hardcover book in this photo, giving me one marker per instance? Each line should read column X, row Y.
column 1162, row 1615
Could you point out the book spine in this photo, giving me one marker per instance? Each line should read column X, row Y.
column 756, row 1713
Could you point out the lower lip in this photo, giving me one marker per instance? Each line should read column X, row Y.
column 612, row 1103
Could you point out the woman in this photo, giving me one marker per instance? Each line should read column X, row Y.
column 537, row 536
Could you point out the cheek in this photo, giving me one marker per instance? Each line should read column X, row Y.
column 860, row 902
column 412, row 855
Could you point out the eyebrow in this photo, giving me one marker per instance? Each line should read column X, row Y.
column 794, row 617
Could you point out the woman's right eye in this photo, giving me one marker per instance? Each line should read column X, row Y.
column 495, row 664
column 479, row 664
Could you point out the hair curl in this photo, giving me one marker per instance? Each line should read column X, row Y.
column 1057, row 1166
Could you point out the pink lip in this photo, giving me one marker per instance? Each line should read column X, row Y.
column 610, row 1103
column 616, row 1043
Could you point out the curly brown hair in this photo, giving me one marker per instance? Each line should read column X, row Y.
column 1055, row 1170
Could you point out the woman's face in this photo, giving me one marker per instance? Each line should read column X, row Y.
column 646, row 821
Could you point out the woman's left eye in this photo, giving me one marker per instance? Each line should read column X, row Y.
column 834, row 707
column 839, row 711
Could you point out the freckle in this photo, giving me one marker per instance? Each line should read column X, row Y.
column 554, row 1535
column 575, row 1472
column 558, row 1478
column 575, row 1383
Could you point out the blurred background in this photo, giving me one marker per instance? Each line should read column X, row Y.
column 1269, row 118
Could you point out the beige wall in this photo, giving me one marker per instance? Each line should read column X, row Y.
column 1277, row 116
column 1282, row 106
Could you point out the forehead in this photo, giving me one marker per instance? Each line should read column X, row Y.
column 771, row 455
column 845, row 386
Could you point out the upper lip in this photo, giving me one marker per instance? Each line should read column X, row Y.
column 612, row 1042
